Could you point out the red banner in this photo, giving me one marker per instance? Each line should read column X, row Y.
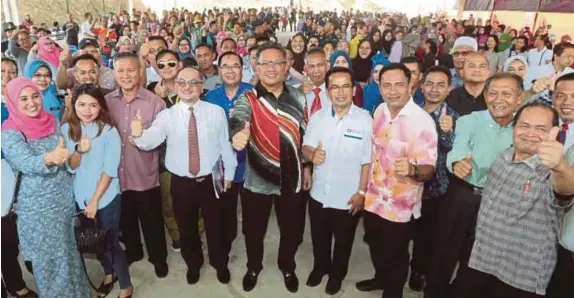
column 478, row 5
column 516, row 5
column 561, row 6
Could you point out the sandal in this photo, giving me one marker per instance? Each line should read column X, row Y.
column 105, row 289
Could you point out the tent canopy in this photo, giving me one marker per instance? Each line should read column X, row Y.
column 560, row 6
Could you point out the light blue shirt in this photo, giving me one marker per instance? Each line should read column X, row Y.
column 103, row 157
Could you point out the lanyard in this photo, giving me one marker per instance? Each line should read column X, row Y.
column 541, row 56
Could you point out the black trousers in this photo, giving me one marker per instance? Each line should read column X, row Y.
column 11, row 272
column 425, row 228
column 454, row 236
column 143, row 207
column 562, row 282
column 476, row 284
column 290, row 210
column 219, row 218
column 389, row 247
column 327, row 223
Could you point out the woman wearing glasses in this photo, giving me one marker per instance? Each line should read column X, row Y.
column 40, row 73
column 48, row 51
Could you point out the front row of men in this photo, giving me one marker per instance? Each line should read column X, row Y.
column 378, row 165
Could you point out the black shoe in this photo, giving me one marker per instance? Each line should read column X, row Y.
column 333, row 286
column 315, row 278
column 161, row 270
column 105, row 289
column 192, row 276
column 176, row 246
column 369, row 285
column 29, row 294
column 28, row 265
column 224, row 276
column 291, row 282
column 249, row 281
column 417, row 282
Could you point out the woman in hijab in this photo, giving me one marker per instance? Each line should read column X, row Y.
column 388, row 41
column 219, row 38
column 46, row 205
column 505, row 42
column 184, row 48
column 371, row 94
column 48, row 51
column 518, row 65
column 377, row 40
column 342, row 59
column 39, row 72
column 241, row 50
column 362, row 63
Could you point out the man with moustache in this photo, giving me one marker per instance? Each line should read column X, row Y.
column 191, row 162
column 435, row 86
column 469, row 97
column 529, row 185
column 138, row 173
column 19, row 46
column 480, row 136
column 338, row 142
column 270, row 122
column 463, row 46
column 205, row 55
column 316, row 67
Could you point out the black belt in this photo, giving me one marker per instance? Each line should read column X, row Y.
column 194, row 179
column 464, row 184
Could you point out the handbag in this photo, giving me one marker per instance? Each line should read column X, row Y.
column 90, row 240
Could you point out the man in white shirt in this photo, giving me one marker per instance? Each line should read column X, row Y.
column 338, row 142
column 249, row 75
column 540, row 55
column 316, row 66
column 87, row 26
column 543, row 77
column 194, row 148
column 563, row 102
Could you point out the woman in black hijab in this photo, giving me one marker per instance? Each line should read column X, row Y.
column 362, row 63
column 388, row 39
column 377, row 39
column 298, row 45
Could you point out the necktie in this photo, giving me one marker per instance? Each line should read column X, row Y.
column 193, row 145
column 316, row 102
column 563, row 132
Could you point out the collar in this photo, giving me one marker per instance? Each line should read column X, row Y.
column 438, row 110
column 185, row 106
column 137, row 96
column 532, row 162
column 352, row 111
column 408, row 110
column 262, row 91
column 490, row 121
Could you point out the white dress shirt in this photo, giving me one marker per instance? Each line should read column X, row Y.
column 325, row 101
column 347, row 143
column 212, row 132
column 569, row 142
column 539, row 58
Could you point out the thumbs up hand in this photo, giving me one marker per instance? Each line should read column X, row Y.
column 463, row 167
column 85, row 144
column 137, row 125
column 550, row 151
column 241, row 138
column 319, row 154
column 445, row 121
column 402, row 165
column 59, row 155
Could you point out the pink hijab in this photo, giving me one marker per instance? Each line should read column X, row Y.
column 53, row 56
column 218, row 38
column 32, row 128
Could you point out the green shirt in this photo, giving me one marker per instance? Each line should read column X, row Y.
column 480, row 135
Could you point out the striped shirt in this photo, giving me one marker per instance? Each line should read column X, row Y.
column 518, row 223
column 274, row 149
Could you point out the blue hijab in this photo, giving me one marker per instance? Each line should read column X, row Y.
column 336, row 55
column 183, row 55
column 51, row 103
column 371, row 94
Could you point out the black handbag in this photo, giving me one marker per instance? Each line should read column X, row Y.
column 90, row 239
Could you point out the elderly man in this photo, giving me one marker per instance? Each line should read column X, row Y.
column 480, row 136
column 404, row 153
column 518, row 224
column 543, row 77
column 462, row 47
column 19, row 47
column 469, row 97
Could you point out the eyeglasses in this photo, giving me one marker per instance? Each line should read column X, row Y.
column 336, row 89
column 164, row 64
column 40, row 76
column 463, row 54
column 192, row 83
column 274, row 64
column 228, row 67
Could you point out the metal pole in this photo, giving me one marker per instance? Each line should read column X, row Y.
column 536, row 16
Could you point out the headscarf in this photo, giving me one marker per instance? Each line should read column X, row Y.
column 298, row 59
column 242, row 51
column 32, row 128
column 387, row 44
column 220, row 35
column 53, row 56
column 51, row 103
column 183, row 55
column 362, row 66
column 505, row 42
column 337, row 54
column 525, row 83
column 377, row 45
column 371, row 93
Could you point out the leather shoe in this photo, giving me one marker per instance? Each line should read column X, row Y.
column 291, row 282
column 161, row 270
column 417, row 282
column 369, row 285
column 333, row 286
column 223, row 275
column 315, row 278
column 249, row 281
column 192, row 276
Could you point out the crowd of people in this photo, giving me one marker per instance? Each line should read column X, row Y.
column 451, row 133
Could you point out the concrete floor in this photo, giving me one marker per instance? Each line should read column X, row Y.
column 270, row 283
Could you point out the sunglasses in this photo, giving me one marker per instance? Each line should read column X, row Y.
column 164, row 64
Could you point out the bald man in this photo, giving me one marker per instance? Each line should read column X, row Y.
column 469, row 97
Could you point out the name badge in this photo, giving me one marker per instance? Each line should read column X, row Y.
column 353, row 134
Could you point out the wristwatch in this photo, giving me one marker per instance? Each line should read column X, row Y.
column 417, row 172
column 77, row 149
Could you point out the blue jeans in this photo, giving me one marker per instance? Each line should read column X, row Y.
column 114, row 259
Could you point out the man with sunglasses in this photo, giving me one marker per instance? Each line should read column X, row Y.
column 462, row 47
column 65, row 78
column 148, row 56
column 196, row 136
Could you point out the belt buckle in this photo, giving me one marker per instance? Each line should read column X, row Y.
column 477, row 191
